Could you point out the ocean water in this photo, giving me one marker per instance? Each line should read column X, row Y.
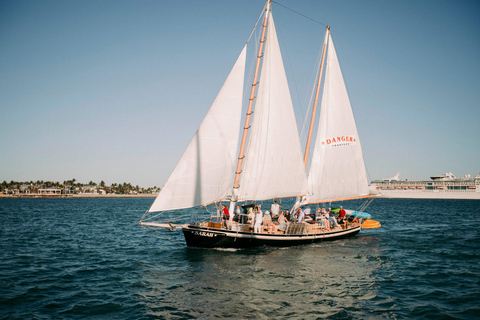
column 89, row 259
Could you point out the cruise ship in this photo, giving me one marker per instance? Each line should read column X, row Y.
column 445, row 186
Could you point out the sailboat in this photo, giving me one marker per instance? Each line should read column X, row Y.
column 266, row 161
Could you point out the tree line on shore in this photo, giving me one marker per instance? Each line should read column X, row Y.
column 73, row 186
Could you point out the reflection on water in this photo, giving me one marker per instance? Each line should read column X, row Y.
column 326, row 279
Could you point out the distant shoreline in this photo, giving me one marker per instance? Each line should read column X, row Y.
column 75, row 196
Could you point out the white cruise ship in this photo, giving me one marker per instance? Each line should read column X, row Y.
column 446, row 186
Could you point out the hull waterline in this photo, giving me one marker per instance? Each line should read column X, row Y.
column 196, row 236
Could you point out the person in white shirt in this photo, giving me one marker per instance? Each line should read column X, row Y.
column 237, row 217
column 329, row 216
column 275, row 208
column 301, row 215
column 251, row 216
column 257, row 228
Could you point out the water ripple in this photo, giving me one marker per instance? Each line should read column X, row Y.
column 87, row 258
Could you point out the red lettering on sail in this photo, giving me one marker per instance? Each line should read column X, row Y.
column 337, row 141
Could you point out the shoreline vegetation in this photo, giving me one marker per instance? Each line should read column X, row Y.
column 76, row 196
column 73, row 189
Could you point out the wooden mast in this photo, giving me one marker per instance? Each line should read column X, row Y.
column 241, row 155
column 315, row 103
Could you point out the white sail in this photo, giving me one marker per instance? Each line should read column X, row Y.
column 204, row 173
column 337, row 169
column 273, row 165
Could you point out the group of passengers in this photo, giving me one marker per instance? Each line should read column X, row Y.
column 272, row 220
column 277, row 219
column 326, row 219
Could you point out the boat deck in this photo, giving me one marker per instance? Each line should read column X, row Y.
column 291, row 228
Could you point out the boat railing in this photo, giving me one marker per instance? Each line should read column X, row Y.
column 297, row 228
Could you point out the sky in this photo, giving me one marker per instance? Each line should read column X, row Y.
column 115, row 90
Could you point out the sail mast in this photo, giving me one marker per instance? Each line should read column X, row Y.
column 315, row 103
column 241, row 155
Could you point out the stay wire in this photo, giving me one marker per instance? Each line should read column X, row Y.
column 300, row 14
column 304, row 115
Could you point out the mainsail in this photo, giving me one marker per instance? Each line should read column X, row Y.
column 204, row 173
column 273, row 165
column 337, row 169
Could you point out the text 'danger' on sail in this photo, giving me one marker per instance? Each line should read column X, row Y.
column 339, row 141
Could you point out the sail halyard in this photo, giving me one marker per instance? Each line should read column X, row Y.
column 337, row 170
column 204, row 172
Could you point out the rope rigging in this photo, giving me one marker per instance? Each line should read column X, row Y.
column 300, row 14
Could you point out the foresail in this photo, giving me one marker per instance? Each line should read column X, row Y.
column 273, row 166
column 204, row 173
column 337, row 169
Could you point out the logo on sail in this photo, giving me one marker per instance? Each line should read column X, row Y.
column 339, row 141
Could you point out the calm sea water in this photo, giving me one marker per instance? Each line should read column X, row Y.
column 88, row 258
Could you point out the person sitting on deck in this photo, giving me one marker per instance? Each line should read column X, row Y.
column 300, row 216
column 287, row 215
column 237, row 215
column 258, row 220
column 225, row 215
column 326, row 219
column 251, row 216
column 267, row 221
column 282, row 222
column 318, row 217
column 333, row 222
column 324, row 222
column 310, row 219
column 341, row 216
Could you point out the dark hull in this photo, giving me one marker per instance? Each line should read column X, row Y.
column 196, row 236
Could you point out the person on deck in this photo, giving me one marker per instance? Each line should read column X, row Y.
column 251, row 216
column 267, row 221
column 301, row 215
column 318, row 217
column 282, row 222
column 333, row 222
column 258, row 220
column 326, row 219
column 275, row 208
column 237, row 215
column 225, row 215
column 341, row 216
column 287, row 215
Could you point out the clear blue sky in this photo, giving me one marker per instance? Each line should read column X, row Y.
column 114, row 90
